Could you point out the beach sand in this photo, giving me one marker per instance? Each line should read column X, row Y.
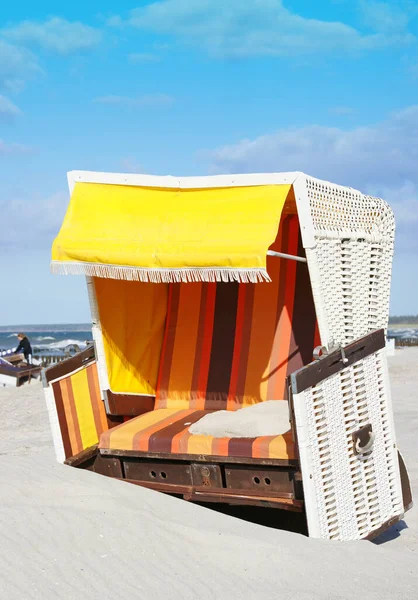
column 67, row 533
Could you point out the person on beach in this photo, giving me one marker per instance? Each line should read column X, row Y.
column 24, row 347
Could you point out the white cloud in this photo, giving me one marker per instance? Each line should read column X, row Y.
column 241, row 28
column 384, row 153
column 55, row 34
column 35, row 219
column 153, row 100
column 114, row 21
column 387, row 17
column 143, row 57
column 13, row 85
column 16, row 65
column 13, row 148
column 380, row 159
column 404, row 198
column 8, row 110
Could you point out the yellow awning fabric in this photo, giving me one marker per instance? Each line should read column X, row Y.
column 132, row 318
column 162, row 235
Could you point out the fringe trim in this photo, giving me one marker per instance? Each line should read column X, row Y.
column 184, row 274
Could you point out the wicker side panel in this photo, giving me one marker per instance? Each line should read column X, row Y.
column 348, row 495
column 351, row 262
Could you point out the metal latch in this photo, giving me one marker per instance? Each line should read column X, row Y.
column 319, row 352
column 363, row 439
column 343, row 356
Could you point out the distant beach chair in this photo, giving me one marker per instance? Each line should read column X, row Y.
column 14, row 372
column 218, row 293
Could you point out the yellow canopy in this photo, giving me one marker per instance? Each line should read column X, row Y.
column 132, row 318
column 162, row 235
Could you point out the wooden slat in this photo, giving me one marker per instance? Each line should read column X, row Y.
column 128, row 405
column 245, row 501
column 406, row 486
column 222, row 496
column 90, row 460
column 280, row 481
column 65, row 367
column 202, row 458
column 81, row 457
column 331, row 364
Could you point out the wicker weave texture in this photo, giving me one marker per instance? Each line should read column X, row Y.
column 354, row 239
column 348, row 495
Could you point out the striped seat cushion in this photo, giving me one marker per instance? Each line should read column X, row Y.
column 166, row 431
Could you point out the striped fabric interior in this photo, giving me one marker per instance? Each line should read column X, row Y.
column 166, row 431
column 227, row 346
column 81, row 412
column 231, row 345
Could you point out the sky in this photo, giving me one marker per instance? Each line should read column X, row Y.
column 188, row 87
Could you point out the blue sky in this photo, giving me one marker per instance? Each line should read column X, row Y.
column 194, row 87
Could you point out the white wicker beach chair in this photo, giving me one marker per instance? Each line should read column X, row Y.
column 345, row 472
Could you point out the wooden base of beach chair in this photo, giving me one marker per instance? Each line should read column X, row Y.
column 206, row 479
column 243, row 481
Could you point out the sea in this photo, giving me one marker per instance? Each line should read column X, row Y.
column 53, row 339
column 47, row 339
column 403, row 334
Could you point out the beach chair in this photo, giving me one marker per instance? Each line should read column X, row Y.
column 15, row 372
column 217, row 294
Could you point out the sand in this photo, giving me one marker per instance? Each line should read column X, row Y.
column 66, row 533
column 265, row 418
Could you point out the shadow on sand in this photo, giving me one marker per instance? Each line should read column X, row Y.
column 269, row 517
column 290, row 521
column 390, row 534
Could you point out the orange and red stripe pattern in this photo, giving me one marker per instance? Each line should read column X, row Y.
column 231, row 345
column 227, row 346
column 80, row 409
column 166, row 431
